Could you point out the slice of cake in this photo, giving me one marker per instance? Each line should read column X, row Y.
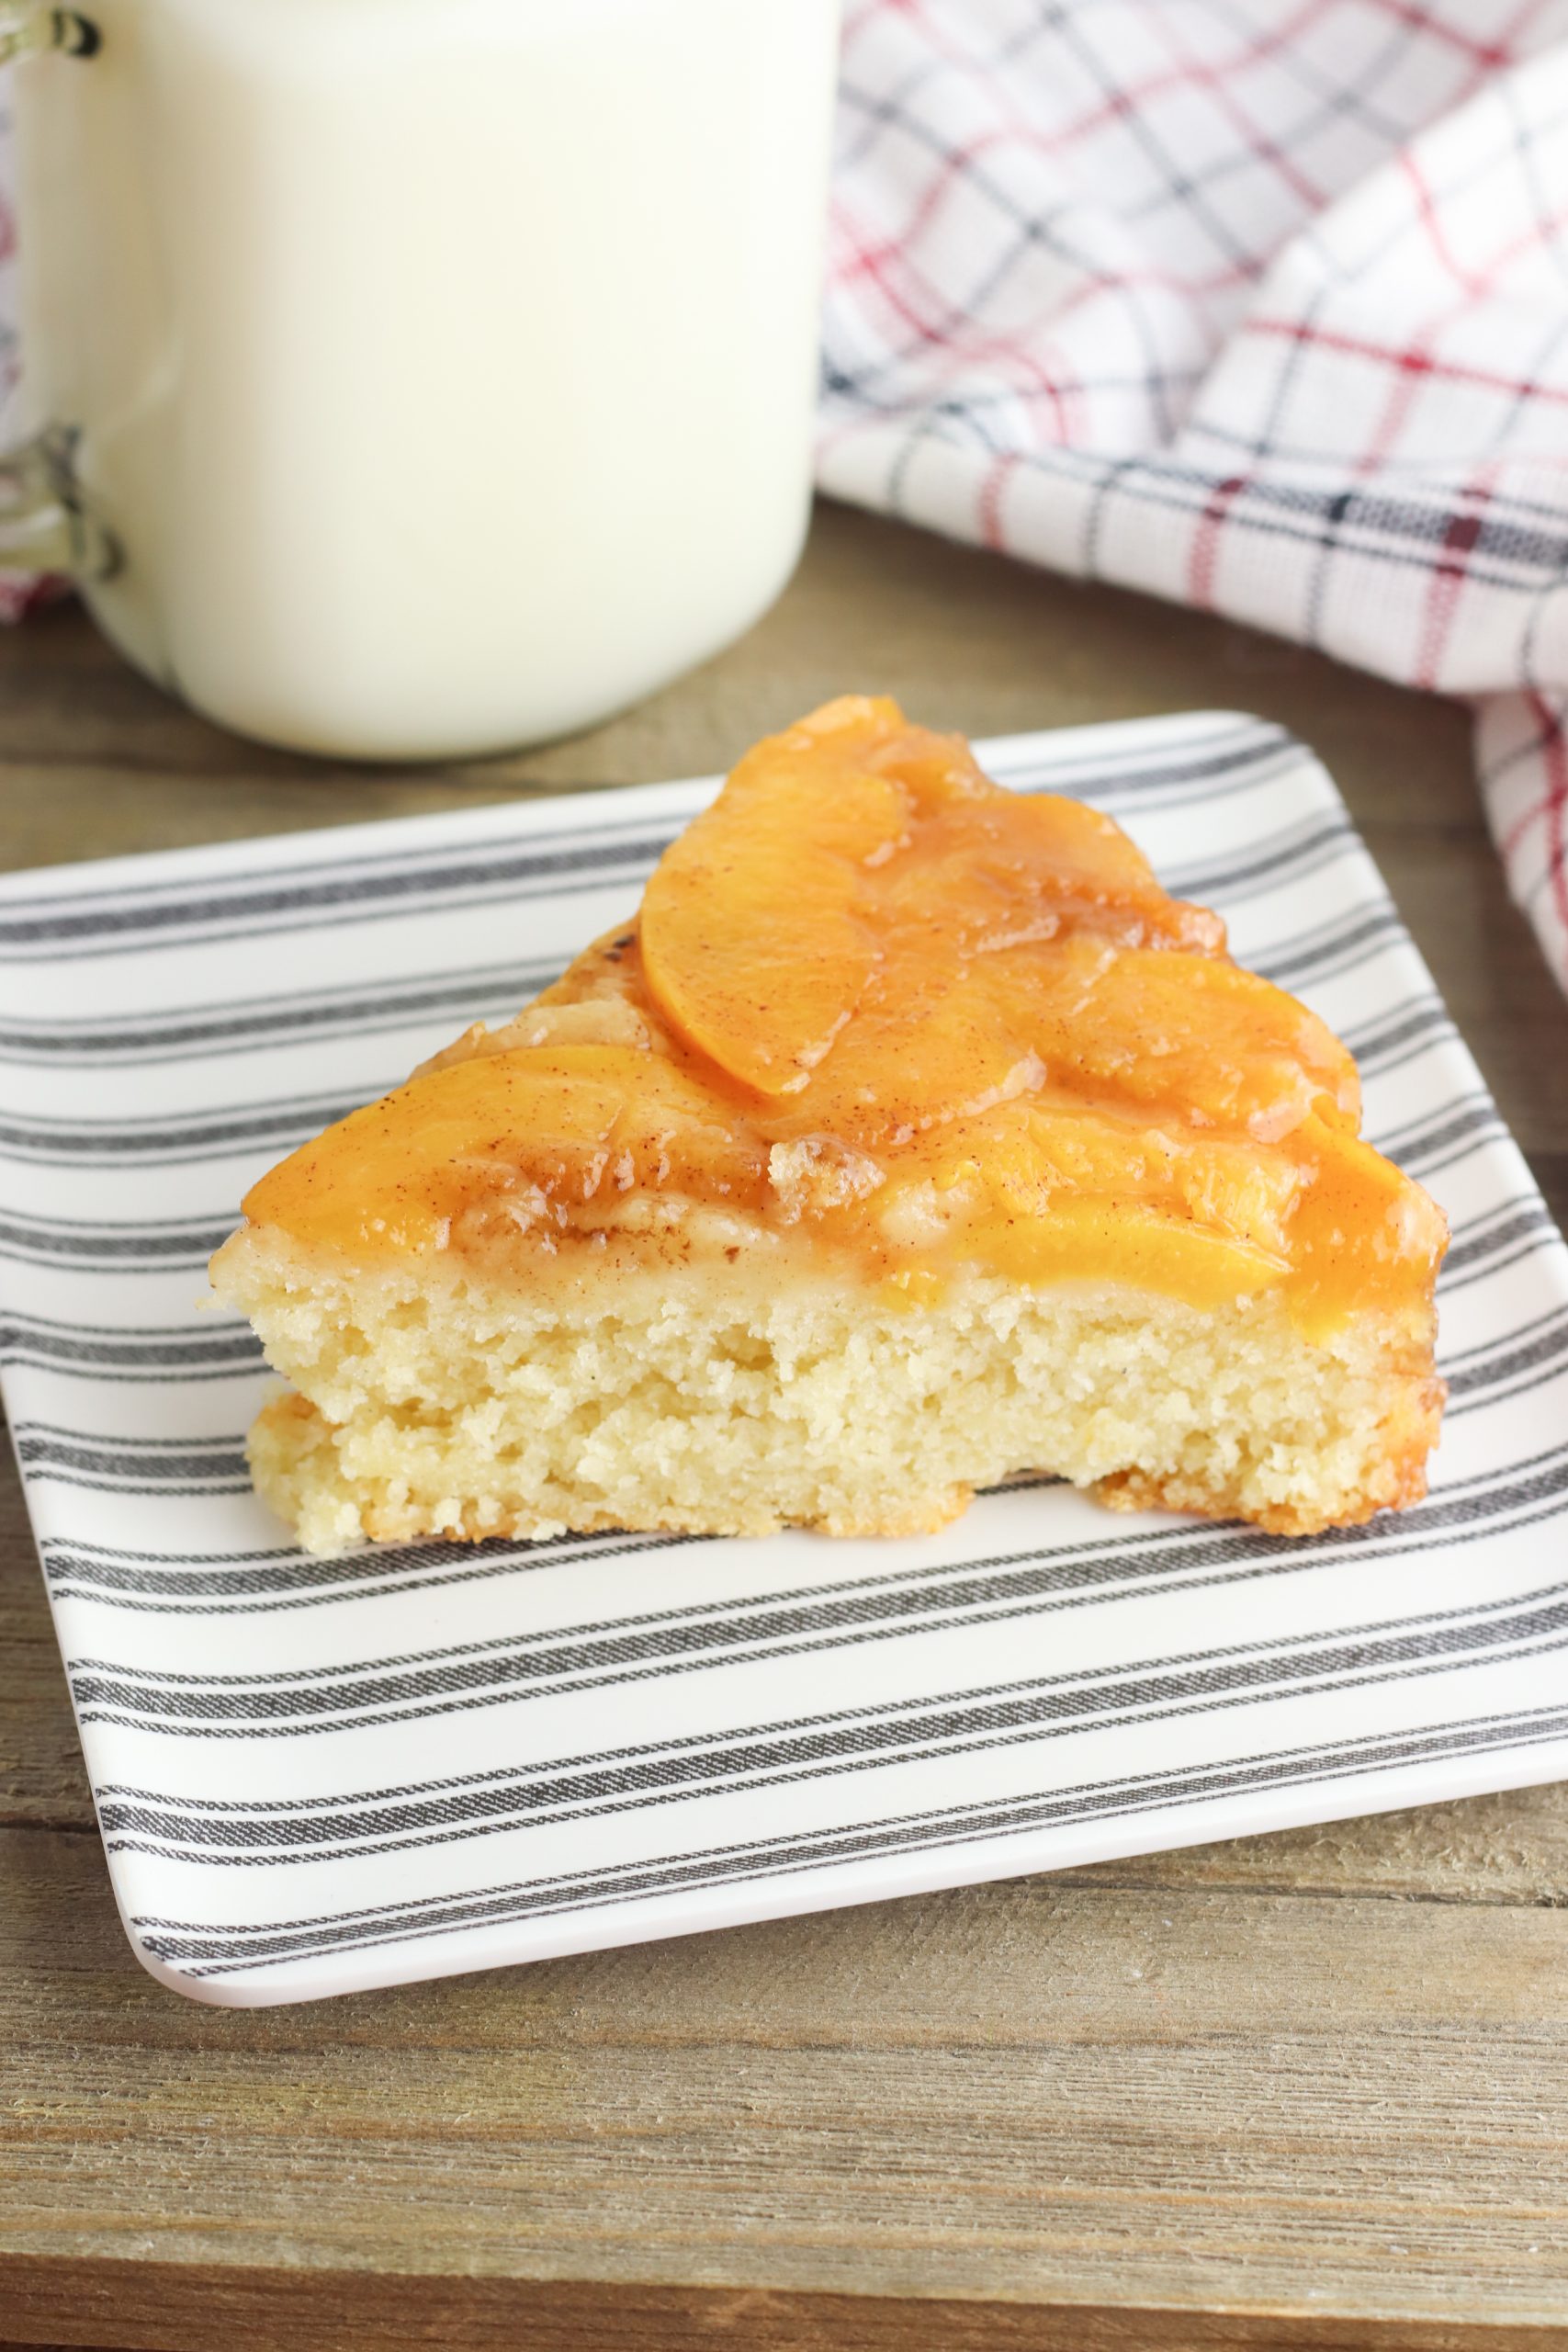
column 911, row 1137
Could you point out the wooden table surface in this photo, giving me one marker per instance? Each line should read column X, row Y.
column 1304, row 2090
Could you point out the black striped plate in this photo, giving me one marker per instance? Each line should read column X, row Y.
column 315, row 1776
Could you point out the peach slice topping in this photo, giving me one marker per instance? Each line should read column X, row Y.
column 863, row 921
column 755, row 937
column 538, row 1134
column 941, row 1021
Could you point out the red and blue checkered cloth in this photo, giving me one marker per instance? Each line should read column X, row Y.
column 1259, row 306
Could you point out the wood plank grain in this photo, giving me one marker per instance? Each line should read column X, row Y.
column 168, row 2309
column 1309, row 2089
column 1051, row 2093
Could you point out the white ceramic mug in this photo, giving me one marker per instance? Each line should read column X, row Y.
column 420, row 376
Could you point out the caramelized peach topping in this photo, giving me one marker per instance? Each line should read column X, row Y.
column 941, row 1022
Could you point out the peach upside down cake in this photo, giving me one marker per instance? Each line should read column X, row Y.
column 908, row 1138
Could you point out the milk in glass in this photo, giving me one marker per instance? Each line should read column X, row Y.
column 444, row 369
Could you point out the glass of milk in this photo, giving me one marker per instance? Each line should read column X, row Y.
column 418, row 378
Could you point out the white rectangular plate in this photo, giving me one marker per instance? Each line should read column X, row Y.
column 315, row 1776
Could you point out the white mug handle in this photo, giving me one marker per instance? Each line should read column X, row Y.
column 26, row 27
column 43, row 524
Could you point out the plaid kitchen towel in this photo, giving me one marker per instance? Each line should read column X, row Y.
column 1258, row 304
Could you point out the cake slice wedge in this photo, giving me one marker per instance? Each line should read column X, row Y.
column 911, row 1137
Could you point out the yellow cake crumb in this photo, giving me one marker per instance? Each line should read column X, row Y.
column 655, row 1397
